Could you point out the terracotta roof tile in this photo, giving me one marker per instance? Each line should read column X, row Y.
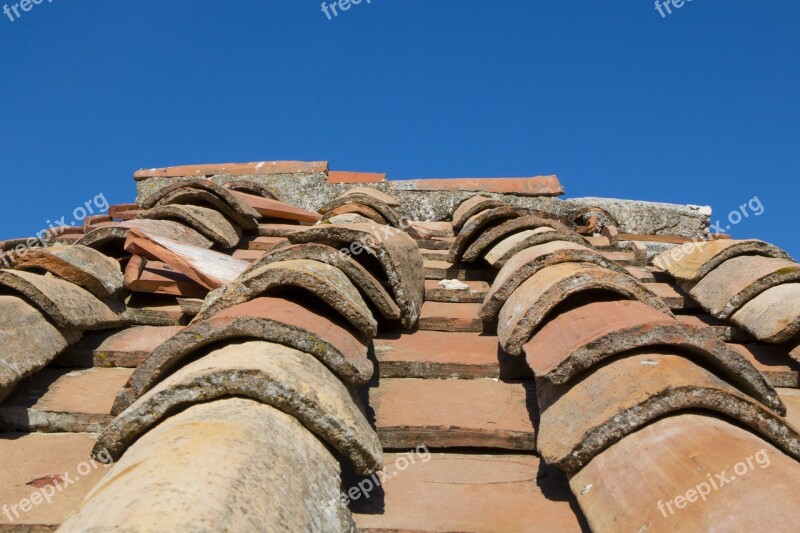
column 155, row 277
column 772, row 316
column 531, row 260
column 263, row 168
column 153, row 476
column 336, row 176
column 358, row 209
column 322, row 280
column 630, row 392
column 581, row 338
column 738, row 280
column 535, row 186
column 80, row 265
column 503, row 251
column 276, row 375
column 621, row 489
column 206, row 267
column 537, row 296
column 365, row 282
column 277, row 320
column 488, row 238
column 125, row 348
column 250, row 187
column 267, row 207
column 477, row 224
column 208, row 222
column 114, row 236
column 397, row 253
column 700, row 258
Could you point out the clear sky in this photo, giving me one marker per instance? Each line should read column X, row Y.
column 699, row 106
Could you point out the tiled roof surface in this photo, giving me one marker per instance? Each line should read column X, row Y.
column 276, row 346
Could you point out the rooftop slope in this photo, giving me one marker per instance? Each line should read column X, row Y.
column 278, row 346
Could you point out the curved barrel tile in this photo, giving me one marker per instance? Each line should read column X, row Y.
column 634, row 484
column 268, row 319
column 359, row 275
column 502, row 252
column 537, row 296
column 397, row 253
column 368, row 200
column 510, row 227
column 531, row 260
column 773, row 316
column 114, row 236
column 202, row 198
column 580, row 420
column 737, row 281
column 694, row 260
column 196, row 191
column 356, row 209
column 581, row 338
column 250, row 187
column 381, row 196
column 289, row 380
column 472, row 206
column 228, row 465
column 81, row 265
column 30, row 342
column 323, row 280
column 211, row 224
column 478, row 224
column 67, row 305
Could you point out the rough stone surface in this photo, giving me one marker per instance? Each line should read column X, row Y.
column 488, row 238
column 530, row 261
column 649, row 218
column 693, row 260
column 67, row 305
column 320, row 279
column 80, row 265
column 282, row 377
column 211, row 224
column 360, row 276
column 735, row 282
column 114, row 236
column 580, row 420
column 581, row 338
column 537, row 296
column 459, row 413
column 477, row 224
column 29, row 342
column 502, row 252
column 260, row 470
column 269, row 319
column 621, row 489
column 772, row 316
column 398, row 254
column 310, row 190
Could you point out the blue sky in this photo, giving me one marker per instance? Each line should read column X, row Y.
column 698, row 107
